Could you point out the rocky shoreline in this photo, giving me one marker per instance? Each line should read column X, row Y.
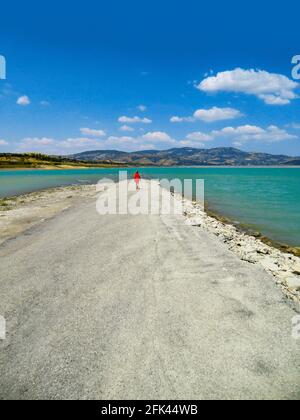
column 284, row 267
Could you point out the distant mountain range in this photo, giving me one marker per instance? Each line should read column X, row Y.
column 187, row 156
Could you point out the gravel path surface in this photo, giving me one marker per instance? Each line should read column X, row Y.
column 139, row 307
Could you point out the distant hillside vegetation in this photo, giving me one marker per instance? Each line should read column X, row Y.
column 222, row 156
column 38, row 160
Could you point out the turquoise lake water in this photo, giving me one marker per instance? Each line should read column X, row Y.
column 265, row 199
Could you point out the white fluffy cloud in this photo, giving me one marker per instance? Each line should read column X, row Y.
column 70, row 145
column 134, row 120
column 295, row 126
column 216, row 114
column 92, row 132
column 53, row 146
column 158, row 136
column 3, row 142
column 150, row 140
column 190, row 143
column 272, row 88
column 36, row 141
column 242, row 130
column 23, row 100
column 196, row 139
column 142, row 108
column 37, row 144
column 239, row 135
column 199, row 136
column 121, row 140
column 78, row 143
column 177, row 119
column 210, row 115
column 128, row 143
column 126, row 128
column 247, row 133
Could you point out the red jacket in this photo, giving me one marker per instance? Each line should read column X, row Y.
column 137, row 176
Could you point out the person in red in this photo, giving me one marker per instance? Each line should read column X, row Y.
column 137, row 178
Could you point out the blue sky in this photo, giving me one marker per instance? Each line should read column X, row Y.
column 141, row 75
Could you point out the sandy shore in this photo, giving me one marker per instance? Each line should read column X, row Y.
column 24, row 211
column 41, row 167
column 56, row 167
column 18, row 214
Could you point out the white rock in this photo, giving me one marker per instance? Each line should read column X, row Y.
column 285, row 267
column 263, row 251
column 194, row 221
column 283, row 274
column 293, row 283
column 248, row 249
column 269, row 264
column 251, row 257
column 296, row 268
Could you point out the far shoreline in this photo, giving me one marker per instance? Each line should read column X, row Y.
column 59, row 168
